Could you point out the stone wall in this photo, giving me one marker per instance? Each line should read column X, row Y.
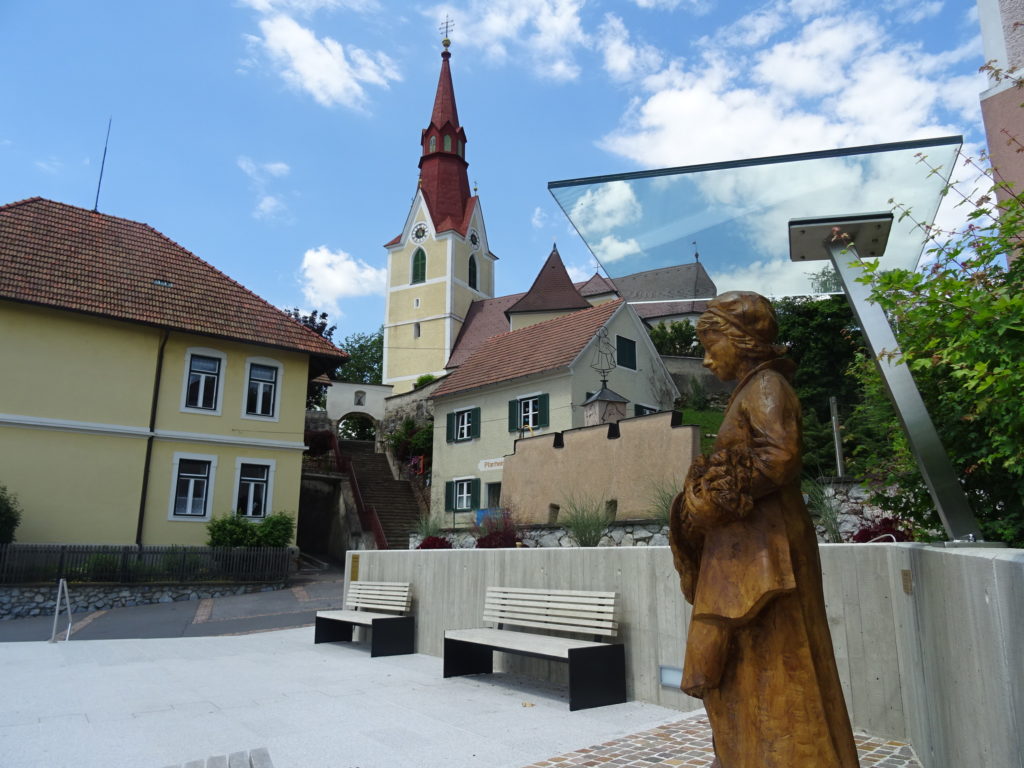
column 639, row 533
column 38, row 599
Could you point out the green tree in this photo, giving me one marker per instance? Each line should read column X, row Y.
column 316, row 394
column 365, row 363
column 678, row 338
column 823, row 340
column 960, row 327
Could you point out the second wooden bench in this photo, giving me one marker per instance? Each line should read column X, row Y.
column 597, row 669
column 377, row 605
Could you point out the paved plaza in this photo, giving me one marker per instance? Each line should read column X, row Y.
column 158, row 702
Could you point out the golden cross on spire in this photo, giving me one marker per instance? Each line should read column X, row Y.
column 446, row 28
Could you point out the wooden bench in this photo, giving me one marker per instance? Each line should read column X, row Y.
column 391, row 633
column 597, row 669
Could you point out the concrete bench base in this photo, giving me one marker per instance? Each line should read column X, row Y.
column 597, row 671
column 389, row 635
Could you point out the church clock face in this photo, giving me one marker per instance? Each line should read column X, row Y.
column 474, row 239
column 419, row 233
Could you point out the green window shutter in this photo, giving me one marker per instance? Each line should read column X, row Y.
column 449, row 496
column 474, row 494
column 542, row 405
column 450, row 433
column 513, row 415
column 474, row 423
column 625, row 352
column 638, row 410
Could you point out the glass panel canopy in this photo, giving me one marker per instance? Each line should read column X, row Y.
column 736, row 215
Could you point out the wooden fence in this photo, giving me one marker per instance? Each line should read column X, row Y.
column 32, row 563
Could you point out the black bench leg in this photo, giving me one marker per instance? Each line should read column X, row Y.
column 393, row 637
column 461, row 658
column 597, row 676
column 332, row 631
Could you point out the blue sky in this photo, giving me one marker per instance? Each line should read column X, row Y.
column 279, row 139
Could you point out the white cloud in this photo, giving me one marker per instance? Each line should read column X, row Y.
column 539, row 218
column 307, row 7
column 325, row 69
column 329, row 276
column 546, row 33
column 610, row 249
column 828, row 81
column 51, row 165
column 580, row 273
column 602, row 209
column 623, row 60
column 268, row 206
column 698, row 6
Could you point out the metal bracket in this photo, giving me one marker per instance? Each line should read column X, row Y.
column 839, row 238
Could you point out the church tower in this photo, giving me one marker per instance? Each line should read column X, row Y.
column 441, row 262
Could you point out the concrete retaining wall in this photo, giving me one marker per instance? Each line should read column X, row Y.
column 927, row 640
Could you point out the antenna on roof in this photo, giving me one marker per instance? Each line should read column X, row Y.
column 103, row 162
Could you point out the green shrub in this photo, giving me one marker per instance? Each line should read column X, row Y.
column 231, row 530
column 422, row 381
column 276, row 530
column 586, row 519
column 102, row 567
column 662, row 494
column 10, row 515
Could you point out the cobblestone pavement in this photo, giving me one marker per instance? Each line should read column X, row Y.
column 687, row 744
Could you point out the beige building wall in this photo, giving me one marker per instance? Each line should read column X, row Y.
column 626, row 464
column 525, row 319
column 484, row 457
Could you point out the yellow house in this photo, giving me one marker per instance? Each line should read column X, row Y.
column 143, row 391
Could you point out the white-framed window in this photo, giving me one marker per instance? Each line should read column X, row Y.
column 528, row 412
column 529, row 408
column 463, row 425
column 463, row 494
column 254, row 486
column 262, row 396
column 192, row 482
column 203, row 387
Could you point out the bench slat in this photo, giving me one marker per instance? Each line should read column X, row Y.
column 525, row 642
column 556, row 593
column 380, row 595
column 568, row 609
column 609, row 631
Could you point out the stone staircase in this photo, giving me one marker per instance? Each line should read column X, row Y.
column 393, row 499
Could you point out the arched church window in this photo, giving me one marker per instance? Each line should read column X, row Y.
column 419, row 266
column 472, row 272
column 447, row 143
column 415, row 330
column 360, row 397
column 433, row 144
column 462, row 149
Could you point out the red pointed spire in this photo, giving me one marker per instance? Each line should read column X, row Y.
column 443, row 176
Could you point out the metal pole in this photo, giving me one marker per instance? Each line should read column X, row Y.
column 936, row 468
column 833, row 406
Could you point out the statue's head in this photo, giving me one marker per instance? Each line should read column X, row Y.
column 746, row 322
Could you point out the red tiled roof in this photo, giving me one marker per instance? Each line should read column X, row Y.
column 70, row 258
column 546, row 346
column 485, row 318
column 552, row 290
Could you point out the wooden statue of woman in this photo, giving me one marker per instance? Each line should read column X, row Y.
column 759, row 652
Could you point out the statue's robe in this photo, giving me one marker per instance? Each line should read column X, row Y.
column 759, row 652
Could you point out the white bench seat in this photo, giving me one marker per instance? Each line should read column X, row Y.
column 391, row 631
column 597, row 669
